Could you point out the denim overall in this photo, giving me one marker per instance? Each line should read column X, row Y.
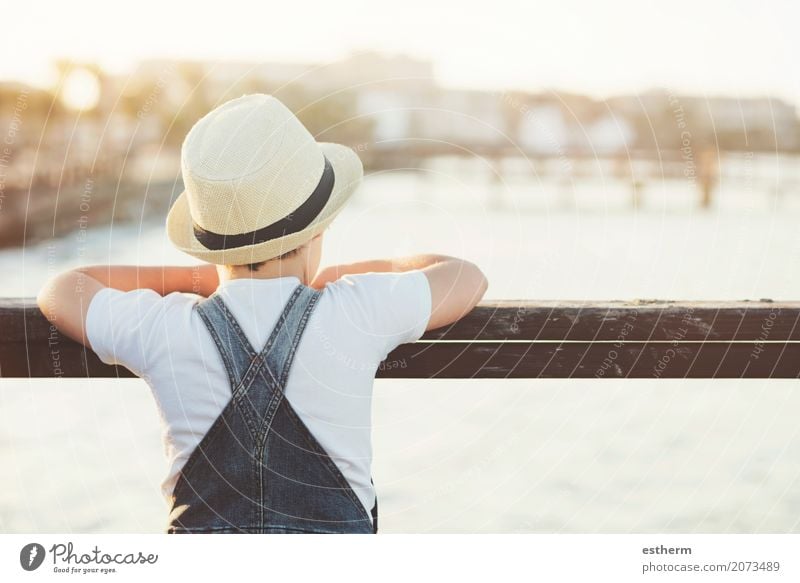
column 259, row 469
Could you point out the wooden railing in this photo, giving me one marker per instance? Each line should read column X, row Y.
column 515, row 339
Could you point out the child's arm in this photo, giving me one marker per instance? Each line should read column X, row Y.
column 392, row 265
column 456, row 284
column 65, row 298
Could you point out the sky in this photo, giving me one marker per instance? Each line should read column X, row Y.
column 731, row 47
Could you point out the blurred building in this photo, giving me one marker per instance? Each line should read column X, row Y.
column 390, row 107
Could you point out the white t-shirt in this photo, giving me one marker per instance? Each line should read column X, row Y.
column 358, row 320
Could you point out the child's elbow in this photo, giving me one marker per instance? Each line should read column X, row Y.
column 484, row 283
column 52, row 294
column 44, row 299
column 480, row 281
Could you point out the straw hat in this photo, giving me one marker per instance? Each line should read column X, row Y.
column 257, row 183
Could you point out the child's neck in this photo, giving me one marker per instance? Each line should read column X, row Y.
column 270, row 270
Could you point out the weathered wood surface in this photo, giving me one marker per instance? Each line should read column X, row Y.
column 516, row 339
column 642, row 320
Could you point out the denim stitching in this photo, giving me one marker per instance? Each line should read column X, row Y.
column 256, row 366
column 329, row 464
column 274, row 403
column 242, row 391
column 237, row 386
column 283, row 367
column 222, row 419
column 226, row 357
column 257, row 359
column 215, row 320
column 260, row 359
column 264, row 431
column 186, row 483
column 240, row 335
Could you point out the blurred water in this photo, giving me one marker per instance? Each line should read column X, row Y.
column 469, row 456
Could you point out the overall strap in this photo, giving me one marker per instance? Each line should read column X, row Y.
column 273, row 363
column 241, row 361
column 235, row 349
column 282, row 344
column 281, row 456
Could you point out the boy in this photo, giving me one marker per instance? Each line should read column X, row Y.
column 261, row 364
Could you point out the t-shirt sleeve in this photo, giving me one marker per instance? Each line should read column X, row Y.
column 394, row 307
column 119, row 326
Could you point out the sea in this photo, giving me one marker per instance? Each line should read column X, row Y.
column 468, row 456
